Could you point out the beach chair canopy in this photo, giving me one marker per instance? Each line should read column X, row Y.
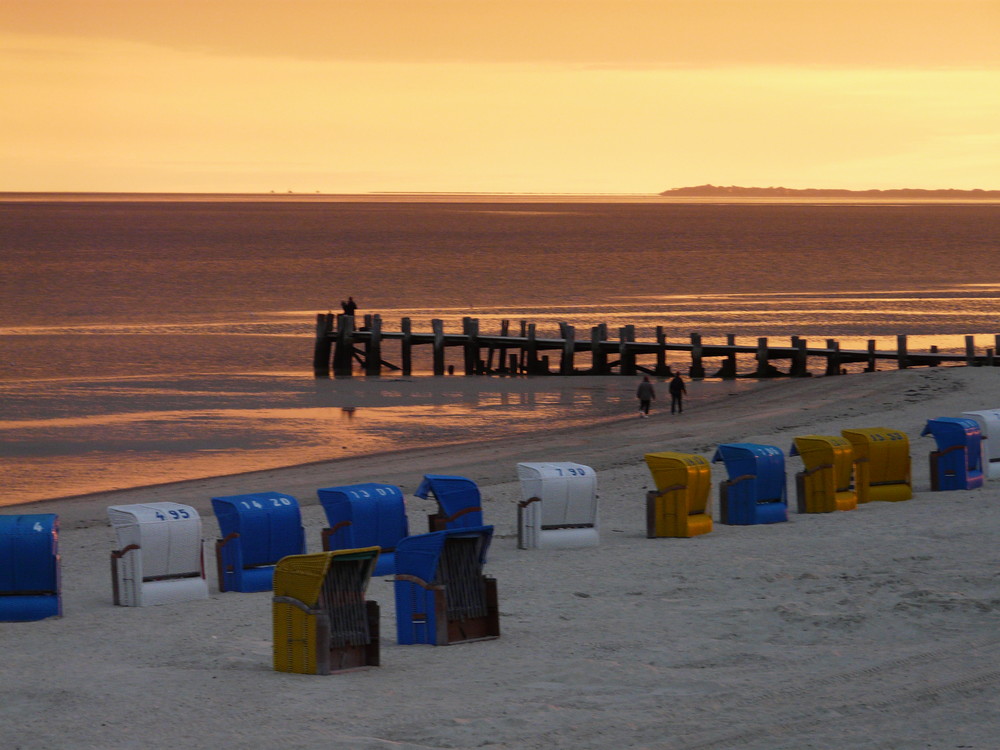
column 989, row 428
column 29, row 567
column 952, row 432
column 258, row 529
column 418, row 555
column 766, row 463
column 365, row 515
column 688, row 469
column 159, row 560
column 568, row 492
column 817, row 450
column 458, row 499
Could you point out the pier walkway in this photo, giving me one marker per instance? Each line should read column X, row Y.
column 340, row 342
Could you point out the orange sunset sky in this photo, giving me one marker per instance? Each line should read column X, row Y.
column 574, row 96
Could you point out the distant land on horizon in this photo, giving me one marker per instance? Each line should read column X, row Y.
column 711, row 191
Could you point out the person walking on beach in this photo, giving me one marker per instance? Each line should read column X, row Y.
column 677, row 391
column 349, row 306
column 646, row 395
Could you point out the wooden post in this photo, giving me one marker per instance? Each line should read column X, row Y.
column 373, row 347
column 368, row 322
column 833, row 358
column 989, row 358
column 502, row 351
column 437, row 326
column 661, row 353
column 513, row 364
column 697, row 368
column 599, row 357
column 901, row 352
column 343, row 353
column 406, row 346
column 524, row 351
column 626, row 355
column 970, row 351
column 531, row 350
column 872, row 365
column 321, row 352
column 470, row 327
column 763, row 362
column 569, row 348
column 800, row 360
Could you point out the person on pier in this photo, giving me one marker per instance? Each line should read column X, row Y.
column 677, row 391
column 350, row 306
column 646, row 395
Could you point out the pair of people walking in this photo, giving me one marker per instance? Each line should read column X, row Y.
column 647, row 394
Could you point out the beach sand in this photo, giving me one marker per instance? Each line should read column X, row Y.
column 875, row 628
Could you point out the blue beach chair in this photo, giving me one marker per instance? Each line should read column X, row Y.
column 442, row 597
column 957, row 464
column 365, row 515
column 30, row 587
column 756, row 491
column 258, row 529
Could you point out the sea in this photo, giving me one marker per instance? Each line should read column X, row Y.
column 148, row 339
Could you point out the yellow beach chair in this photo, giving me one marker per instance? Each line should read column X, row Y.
column 825, row 485
column 679, row 505
column 881, row 464
column 322, row 622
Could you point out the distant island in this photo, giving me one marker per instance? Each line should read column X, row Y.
column 718, row 191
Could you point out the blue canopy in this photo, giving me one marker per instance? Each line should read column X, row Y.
column 269, row 525
column 418, row 555
column 949, row 432
column 764, row 462
column 454, row 495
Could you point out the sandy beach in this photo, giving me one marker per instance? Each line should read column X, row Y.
column 874, row 628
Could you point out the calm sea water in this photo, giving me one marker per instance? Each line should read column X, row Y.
column 144, row 341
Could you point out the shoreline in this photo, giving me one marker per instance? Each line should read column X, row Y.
column 612, row 442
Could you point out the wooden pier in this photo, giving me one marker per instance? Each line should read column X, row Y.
column 340, row 343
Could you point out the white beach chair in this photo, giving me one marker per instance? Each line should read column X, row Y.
column 558, row 509
column 159, row 560
column 989, row 425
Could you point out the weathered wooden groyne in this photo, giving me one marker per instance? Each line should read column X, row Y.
column 341, row 341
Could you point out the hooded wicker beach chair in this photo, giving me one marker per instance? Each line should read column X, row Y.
column 365, row 515
column 29, row 567
column 957, row 464
column 558, row 508
column 824, row 486
column 881, row 464
column 678, row 507
column 989, row 429
column 159, row 559
column 442, row 596
column 756, row 491
column 258, row 529
column 322, row 621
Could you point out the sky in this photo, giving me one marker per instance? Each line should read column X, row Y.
column 530, row 96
